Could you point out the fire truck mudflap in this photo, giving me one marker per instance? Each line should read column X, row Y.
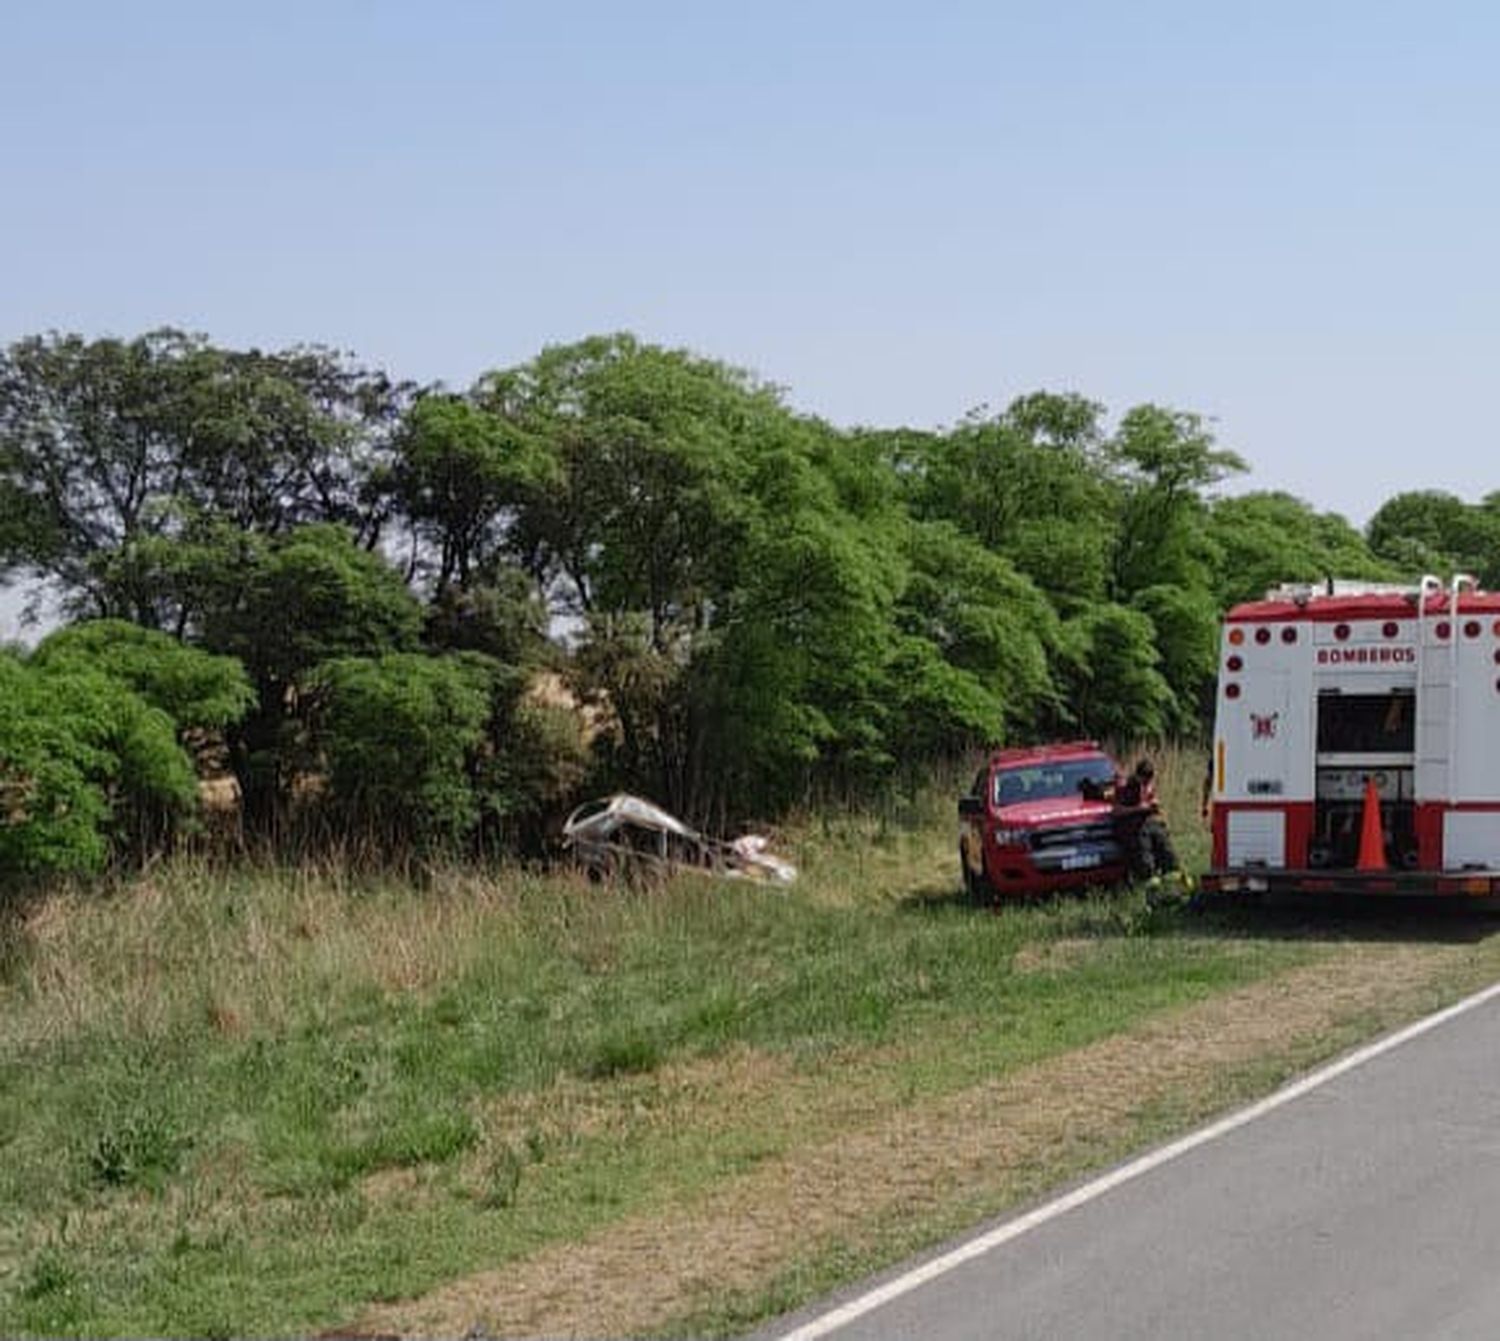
column 1357, row 742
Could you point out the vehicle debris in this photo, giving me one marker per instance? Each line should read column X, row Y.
column 628, row 836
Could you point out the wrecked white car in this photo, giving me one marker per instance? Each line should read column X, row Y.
column 627, row 836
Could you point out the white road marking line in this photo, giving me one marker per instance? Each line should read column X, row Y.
column 1013, row 1229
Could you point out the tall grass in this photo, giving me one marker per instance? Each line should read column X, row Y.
column 253, row 1099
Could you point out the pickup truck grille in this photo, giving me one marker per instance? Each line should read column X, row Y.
column 1095, row 833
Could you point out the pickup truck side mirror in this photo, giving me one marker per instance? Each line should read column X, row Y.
column 971, row 805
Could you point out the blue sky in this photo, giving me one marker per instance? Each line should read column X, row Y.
column 1282, row 216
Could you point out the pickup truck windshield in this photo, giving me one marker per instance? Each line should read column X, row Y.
column 1044, row 782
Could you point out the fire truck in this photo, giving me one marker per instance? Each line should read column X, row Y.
column 1356, row 741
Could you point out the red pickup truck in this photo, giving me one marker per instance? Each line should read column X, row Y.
column 1039, row 819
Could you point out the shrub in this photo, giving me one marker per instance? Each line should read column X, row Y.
column 140, row 1150
column 198, row 690
column 86, row 767
column 399, row 734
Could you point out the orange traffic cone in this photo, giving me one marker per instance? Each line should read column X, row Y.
column 1371, row 835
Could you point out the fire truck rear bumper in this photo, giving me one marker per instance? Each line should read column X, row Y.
column 1401, row 884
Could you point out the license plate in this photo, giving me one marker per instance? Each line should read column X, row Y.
column 1080, row 862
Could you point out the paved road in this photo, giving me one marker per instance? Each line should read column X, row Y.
column 1369, row 1207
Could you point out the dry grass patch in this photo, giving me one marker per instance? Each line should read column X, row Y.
column 1063, row 955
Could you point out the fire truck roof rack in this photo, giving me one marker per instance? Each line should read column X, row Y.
column 1302, row 592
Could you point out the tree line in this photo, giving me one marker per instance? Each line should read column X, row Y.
column 429, row 619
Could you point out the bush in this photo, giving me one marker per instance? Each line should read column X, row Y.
column 139, row 1150
column 87, row 768
column 198, row 690
column 400, row 734
column 52, row 807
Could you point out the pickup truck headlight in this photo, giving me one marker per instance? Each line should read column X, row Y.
column 1010, row 837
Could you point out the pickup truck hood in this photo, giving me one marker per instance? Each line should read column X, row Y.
column 1058, row 810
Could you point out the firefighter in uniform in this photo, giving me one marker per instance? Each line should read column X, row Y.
column 1143, row 833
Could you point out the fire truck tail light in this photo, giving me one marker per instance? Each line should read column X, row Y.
column 1474, row 884
column 1390, row 628
column 1341, row 632
column 1236, row 637
column 1442, row 630
column 1238, row 663
column 1471, row 629
column 1262, row 636
column 1289, row 634
column 1231, row 690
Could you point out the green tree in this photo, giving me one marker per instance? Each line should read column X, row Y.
column 499, row 612
column 798, row 688
column 732, row 568
column 642, row 509
column 460, row 473
column 1031, row 484
column 282, row 606
column 1185, row 630
column 1167, row 462
column 1429, row 531
column 1267, row 538
column 106, row 444
column 1112, row 685
column 979, row 635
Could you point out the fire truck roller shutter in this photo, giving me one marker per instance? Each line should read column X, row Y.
column 1257, row 838
column 1471, row 838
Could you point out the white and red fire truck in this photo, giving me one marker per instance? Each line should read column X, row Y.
column 1357, row 741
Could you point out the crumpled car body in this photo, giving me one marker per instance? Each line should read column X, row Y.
column 628, row 836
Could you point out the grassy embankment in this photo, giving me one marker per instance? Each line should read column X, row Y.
column 270, row 1101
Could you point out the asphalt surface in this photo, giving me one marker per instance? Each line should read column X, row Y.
column 1369, row 1207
